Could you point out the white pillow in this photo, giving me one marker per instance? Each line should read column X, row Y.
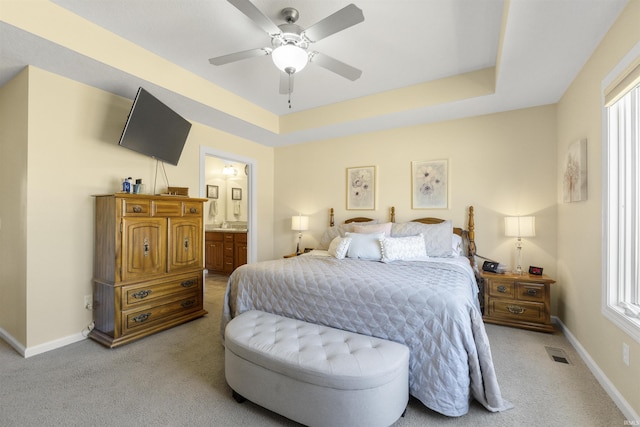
column 373, row 228
column 456, row 241
column 410, row 248
column 338, row 231
column 339, row 246
column 437, row 237
column 365, row 246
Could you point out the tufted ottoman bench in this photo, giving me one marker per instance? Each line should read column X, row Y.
column 316, row 375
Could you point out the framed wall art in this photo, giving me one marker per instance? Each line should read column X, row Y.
column 212, row 191
column 236, row 194
column 430, row 184
column 361, row 188
column 574, row 178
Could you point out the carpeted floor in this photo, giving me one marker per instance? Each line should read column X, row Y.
column 176, row 378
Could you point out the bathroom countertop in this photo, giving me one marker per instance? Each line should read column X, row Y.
column 225, row 230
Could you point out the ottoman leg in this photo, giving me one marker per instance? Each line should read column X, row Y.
column 238, row 397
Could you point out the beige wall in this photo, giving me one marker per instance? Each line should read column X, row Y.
column 59, row 146
column 579, row 237
column 72, row 149
column 502, row 164
column 13, row 208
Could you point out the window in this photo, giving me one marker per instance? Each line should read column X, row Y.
column 621, row 302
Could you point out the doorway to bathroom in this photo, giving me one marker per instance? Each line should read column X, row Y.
column 227, row 181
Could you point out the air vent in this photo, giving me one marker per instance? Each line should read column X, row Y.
column 558, row 355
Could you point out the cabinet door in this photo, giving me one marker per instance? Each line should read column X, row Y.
column 185, row 244
column 144, row 243
column 240, row 257
column 215, row 255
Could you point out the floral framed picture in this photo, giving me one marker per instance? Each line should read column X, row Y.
column 212, row 191
column 361, row 188
column 430, row 184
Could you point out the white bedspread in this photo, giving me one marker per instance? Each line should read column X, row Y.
column 430, row 306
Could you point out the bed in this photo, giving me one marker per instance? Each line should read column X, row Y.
column 428, row 302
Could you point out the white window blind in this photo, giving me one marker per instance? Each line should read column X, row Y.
column 623, row 208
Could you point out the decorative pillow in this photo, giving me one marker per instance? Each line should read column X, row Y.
column 410, row 248
column 437, row 237
column 365, row 246
column 337, row 231
column 373, row 228
column 456, row 241
column 339, row 246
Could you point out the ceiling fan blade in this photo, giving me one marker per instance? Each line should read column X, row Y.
column 286, row 83
column 249, row 9
column 338, row 67
column 238, row 56
column 341, row 20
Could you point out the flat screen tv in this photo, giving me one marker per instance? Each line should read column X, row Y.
column 154, row 129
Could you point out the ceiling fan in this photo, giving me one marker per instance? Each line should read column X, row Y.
column 290, row 43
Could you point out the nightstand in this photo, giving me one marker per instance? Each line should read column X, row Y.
column 293, row 255
column 522, row 301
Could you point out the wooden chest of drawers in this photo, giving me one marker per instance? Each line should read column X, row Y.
column 148, row 267
column 522, row 301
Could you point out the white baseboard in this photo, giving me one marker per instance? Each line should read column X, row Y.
column 608, row 386
column 17, row 346
column 41, row 348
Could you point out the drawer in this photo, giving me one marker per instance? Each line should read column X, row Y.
column 517, row 310
column 166, row 208
column 192, row 209
column 213, row 236
column 240, row 238
column 502, row 289
column 530, row 292
column 228, row 238
column 135, row 295
column 133, row 208
column 143, row 318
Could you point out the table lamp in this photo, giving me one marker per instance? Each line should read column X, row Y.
column 299, row 223
column 519, row 226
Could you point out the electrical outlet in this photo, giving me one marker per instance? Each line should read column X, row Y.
column 625, row 353
column 88, row 302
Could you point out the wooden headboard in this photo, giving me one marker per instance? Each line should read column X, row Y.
column 392, row 217
column 468, row 235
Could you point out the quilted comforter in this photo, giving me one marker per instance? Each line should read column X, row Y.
column 430, row 306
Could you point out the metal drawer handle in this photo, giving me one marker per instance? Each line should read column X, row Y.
column 532, row 292
column 141, row 294
column 187, row 304
column 137, row 209
column 188, row 283
column 193, row 210
column 515, row 309
column 502, row 289
column 142, row 317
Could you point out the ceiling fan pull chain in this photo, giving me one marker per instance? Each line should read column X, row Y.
column 290, row 74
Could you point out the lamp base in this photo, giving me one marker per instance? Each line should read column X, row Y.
column 519, row 248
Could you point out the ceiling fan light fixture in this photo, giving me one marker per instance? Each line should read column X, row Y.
column 290, row 58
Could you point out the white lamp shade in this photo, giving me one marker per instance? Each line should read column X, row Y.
column 290, row 58
column 520, row 226
column 299, row 223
